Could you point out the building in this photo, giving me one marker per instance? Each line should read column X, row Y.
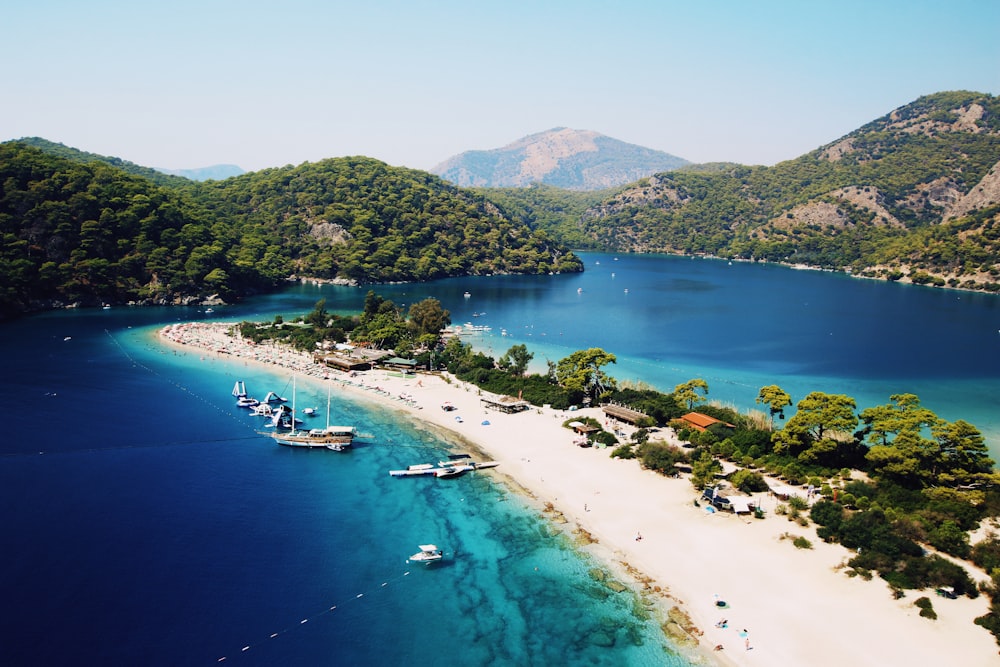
column 700, row 422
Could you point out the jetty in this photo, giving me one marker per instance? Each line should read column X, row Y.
column 443, row 468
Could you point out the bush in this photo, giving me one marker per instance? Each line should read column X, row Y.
column 951, row 539
column 748, row 481
column 797, row 503
column 660, row 457
column 986, row 554
column 802, row 543
column 826, row 513
column 625, row 451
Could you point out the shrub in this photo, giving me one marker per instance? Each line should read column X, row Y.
column 951, row 539
column 748, row 481
column 826, row 513
column 986, row 554
column 625, row 451
column 797, row 503
column 802, row 543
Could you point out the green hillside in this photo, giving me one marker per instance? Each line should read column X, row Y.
column 914, row 195
column 83, row 230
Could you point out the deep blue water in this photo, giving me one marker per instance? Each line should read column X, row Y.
column 145, row 522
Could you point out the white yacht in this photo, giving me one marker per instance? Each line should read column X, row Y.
column 429, row 553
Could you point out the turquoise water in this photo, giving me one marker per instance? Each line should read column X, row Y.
column 146, row 522
column 742, row 326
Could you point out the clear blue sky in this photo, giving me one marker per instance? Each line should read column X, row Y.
column 187, row 84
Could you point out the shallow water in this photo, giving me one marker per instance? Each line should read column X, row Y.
column 149, row 523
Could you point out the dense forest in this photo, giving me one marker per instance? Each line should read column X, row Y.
column 914, row 195
column 77, row 229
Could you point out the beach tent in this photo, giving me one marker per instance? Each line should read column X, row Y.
column 784, row 492
column 740, row 504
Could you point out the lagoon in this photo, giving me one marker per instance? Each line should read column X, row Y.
column 148, row 523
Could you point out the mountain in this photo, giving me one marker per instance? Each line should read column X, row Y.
column 79, row 229
column 912, row 196
column 565, row 158
column 217, row 172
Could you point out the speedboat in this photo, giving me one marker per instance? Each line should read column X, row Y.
column 429, row 553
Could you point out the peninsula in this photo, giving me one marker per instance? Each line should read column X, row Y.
column 784, row 606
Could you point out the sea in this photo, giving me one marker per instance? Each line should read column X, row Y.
column 147, row 522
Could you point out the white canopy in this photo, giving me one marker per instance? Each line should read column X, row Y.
column 739, row 504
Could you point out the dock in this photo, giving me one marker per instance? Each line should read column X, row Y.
column 443, row 469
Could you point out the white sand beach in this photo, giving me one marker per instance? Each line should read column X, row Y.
column 796, row 606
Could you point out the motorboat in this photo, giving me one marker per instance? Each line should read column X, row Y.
column 429, row 553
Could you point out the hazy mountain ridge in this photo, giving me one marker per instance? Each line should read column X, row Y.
column 562, row 157
column 215, row 172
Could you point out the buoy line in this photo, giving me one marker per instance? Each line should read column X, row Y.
column 309, row 619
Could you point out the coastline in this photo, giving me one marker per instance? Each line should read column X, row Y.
column 796, row 605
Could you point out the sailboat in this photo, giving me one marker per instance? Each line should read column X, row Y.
column 335, row 438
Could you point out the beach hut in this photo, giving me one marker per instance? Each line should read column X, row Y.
column 506, row 404
column 700, row 422
column 622, row 413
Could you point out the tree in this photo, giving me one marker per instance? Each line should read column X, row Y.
column 776, row 399
column 428, row 317
column 515, row 360
column 703, row 470
column 963, row 458
column 318, row 316
column 691, row 392
column 819, row 416
column 581, row 371
column 905, row 414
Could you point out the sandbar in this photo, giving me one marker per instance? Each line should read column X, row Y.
column 784, row 606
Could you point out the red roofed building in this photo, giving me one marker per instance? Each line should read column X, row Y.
column 701, row 422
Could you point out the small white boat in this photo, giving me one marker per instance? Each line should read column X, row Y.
column 309, row 412
column 429, row 553
column 467, row 295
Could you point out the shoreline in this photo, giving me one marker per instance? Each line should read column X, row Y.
column 796, row 605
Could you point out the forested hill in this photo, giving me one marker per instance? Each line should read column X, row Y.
column 80, row 230
column 912, row 196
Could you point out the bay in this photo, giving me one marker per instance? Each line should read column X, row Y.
column 146, row 522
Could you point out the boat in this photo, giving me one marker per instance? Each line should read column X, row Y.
column 334, row 438
column 310, row 412
column 429, row 553
column 467, row 295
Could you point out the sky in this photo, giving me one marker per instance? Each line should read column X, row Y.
column 188, row 84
